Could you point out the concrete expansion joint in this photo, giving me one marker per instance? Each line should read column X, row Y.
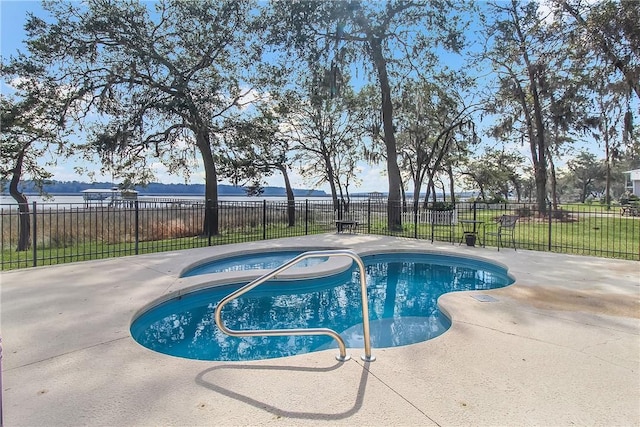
column 590, row 324
column 610, row 363
column 170, row 286
column 365, row 365
column 463, row 322
column 35, row 362
column 585, row 349
column 131, row 260
column 581, row 351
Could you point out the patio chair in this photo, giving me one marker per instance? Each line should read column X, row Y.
column 506, row 227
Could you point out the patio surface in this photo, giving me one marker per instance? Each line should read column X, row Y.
column 561, row 346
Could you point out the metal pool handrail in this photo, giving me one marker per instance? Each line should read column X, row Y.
column 367, row 357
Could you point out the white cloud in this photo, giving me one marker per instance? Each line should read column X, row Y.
column 373, row 178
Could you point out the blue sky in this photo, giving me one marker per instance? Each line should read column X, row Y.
column 13, row 15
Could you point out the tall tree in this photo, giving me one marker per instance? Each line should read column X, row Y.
column 256, row 148
column 433, row 125
column 496, row 173
column 325, row 133
column 608, row 128
column 606, row 36
column 566, row 108
column 32, row 127
column 390, row 39
column 164, row 79
column 520, row 53
column 587, row 175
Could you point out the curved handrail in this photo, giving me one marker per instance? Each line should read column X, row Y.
column 367, row 357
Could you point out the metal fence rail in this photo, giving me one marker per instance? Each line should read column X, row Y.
column 60, row 233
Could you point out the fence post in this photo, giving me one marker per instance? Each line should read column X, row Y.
column 264, row 219
column 34, row 239
column 415, row 221
column 550, row 217
column 368, row 216
column 306, row 217
column 137, row 226
column 432, row 221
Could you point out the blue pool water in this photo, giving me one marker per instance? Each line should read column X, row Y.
column 263, row 260
column 402, row 291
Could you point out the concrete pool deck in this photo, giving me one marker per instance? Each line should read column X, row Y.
column 559, row 347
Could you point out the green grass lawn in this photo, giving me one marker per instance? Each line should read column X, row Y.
column 92, row 250
column 578, row 230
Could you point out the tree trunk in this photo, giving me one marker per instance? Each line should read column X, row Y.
column 540, row 163
column 332, row 186
column 211, row 214
column 535, row 126
column 24, row 220
column 516, row 187
column 554, row 182
column 452, row 187
column 483, row 196
column 291, row 204
column 416, row 195
column 394, row 207
column 344, row 205
column 607, row 194
column 433, row 192
column 429, row 190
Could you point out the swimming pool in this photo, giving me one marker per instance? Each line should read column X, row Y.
column 250, row 261
column 402, row 290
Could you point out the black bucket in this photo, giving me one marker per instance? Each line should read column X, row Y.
column 470, row 239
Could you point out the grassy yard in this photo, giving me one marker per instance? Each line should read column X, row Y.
column 99, row 249
column 576, row 229
column 580, row 231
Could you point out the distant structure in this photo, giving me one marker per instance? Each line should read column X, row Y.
column 376, row 195
column 632, row 184
column 114, row 197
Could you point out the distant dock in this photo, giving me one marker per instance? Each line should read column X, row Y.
column 115, row 197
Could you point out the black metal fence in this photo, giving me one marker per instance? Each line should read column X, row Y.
column 60, row 233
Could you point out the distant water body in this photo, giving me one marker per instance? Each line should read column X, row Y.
column 79, row 200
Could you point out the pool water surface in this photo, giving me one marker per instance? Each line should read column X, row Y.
column 251, row 261
column 402, row 290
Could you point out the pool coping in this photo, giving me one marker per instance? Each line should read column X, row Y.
column 556, row 347
column 334, row 265
column 218, row 257
column 185, row 285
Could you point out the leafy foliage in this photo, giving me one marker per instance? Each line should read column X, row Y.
column 162, row 81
